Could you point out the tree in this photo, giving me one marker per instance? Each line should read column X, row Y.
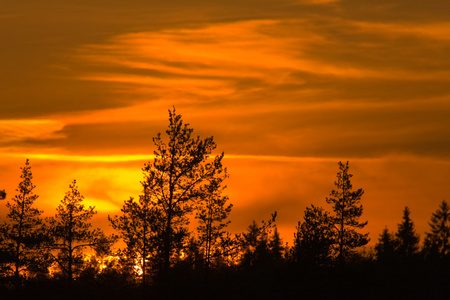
column 2, row 195
column 138, row 227
column 22, row 234
column 180, row 175
column 211, row 212
column 254, row 244
column 408, row 240
column 71, row 231
column 276, row 247
column 386, row 247
column 348, row 210
column 315, row 237
column 437, row 241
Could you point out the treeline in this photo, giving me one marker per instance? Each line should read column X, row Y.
column 176, row 244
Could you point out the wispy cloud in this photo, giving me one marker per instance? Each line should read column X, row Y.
column 19, row 130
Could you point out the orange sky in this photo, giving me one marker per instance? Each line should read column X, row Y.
column 287, row 88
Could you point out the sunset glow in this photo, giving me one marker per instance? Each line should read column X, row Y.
column 286, row 88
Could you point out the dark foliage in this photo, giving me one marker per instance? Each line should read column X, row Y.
column 386, row 247
column 314, row 240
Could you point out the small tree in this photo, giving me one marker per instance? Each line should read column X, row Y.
column 212, row 211
column 386, row 247
column 408, row 240
column 437, row 241
column 315, row 237
column 254, row 244
column 72, row 233
column 138, row 226
column 348, row 210
column 276, row 247
column 23, row 233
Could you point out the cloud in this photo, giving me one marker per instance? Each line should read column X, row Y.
column 19, row 130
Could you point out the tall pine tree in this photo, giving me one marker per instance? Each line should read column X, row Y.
column 23, row 233
column 181, row 174
column 347, row 211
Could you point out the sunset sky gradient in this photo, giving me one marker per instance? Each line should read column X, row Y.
column 288, row 88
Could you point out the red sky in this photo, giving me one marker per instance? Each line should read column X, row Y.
column 287, row 89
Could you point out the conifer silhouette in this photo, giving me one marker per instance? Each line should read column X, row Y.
column 347, row 211
column 408, row 240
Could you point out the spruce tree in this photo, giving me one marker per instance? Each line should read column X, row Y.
column 276, row 247
column 386, row 247
column 437, row 241
column 408, row 240
column 347, row 211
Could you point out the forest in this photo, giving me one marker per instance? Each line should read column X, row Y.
column 172, row 242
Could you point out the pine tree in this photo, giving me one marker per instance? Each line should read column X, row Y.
column 176, row 180
column 348, row 210
column 408, row 240
column 211, row 213
column 23, row 232
column 72, row 232
column 315, row 237
column 437, row 242
column 386, row 247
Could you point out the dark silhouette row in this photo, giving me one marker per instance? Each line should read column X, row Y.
column 63, row 256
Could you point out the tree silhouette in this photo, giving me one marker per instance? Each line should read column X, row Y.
column 71, row 232
column 178, row 177
column 211, row 213
column 437, row 241
column 348, row 210
column 276, row 248
column 254, row 244
column 408, row 240
column 314, row 238
column 386, row 247
column 137, row 227
column 23, row 233
column 5, row 258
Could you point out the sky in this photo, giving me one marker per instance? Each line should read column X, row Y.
column 287, row 88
